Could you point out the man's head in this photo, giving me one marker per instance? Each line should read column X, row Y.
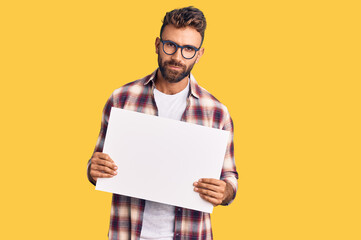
column 179, row 45
column 185, row 17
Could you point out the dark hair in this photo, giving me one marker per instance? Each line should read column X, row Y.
column 186, row 17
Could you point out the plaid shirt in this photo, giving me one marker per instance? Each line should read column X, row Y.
column 203, row 109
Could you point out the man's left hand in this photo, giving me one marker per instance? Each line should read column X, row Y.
column 214, row 191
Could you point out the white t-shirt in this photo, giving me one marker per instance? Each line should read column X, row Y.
column 158, row 218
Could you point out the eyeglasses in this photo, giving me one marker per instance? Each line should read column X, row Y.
column 170, row 47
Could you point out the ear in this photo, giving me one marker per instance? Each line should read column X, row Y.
column 157, row 43
column 200, row 53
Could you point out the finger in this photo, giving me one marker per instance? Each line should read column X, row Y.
column 96, row 174
column 103, row 169
column 96, row 161
column 212, row 181
column 212, row 200
column 103, row 156
column 212, row 187
column 209, row 193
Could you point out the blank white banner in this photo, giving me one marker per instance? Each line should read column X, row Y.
column 159, row 159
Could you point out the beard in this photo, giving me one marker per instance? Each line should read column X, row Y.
column 173, row 76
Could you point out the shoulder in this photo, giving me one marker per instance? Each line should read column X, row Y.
column 208, row 101
column 134, row 87
column 208, row 108
column 130, row 90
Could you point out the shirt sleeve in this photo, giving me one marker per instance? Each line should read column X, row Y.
column 103, row 129
column 229, row 172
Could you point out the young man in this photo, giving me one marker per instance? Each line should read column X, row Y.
column 172, row 92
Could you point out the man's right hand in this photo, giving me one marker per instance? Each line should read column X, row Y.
column 102, row 166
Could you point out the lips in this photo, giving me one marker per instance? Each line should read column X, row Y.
column 174, row 67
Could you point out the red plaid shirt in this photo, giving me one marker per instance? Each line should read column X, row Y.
column 203, row 109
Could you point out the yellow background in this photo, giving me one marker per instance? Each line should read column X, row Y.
column 289, row 72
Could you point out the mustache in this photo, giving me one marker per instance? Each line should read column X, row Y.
column 173, row 63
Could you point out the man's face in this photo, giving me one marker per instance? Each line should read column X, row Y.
column 175, row 67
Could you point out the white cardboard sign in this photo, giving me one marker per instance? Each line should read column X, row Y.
column 159, row 159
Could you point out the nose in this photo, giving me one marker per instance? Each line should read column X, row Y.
column 177, row 55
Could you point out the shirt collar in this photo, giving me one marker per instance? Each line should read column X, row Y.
column 193, row 86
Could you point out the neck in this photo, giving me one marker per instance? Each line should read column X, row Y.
column 167, row 87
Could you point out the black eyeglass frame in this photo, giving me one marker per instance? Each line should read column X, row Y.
column 181, row 47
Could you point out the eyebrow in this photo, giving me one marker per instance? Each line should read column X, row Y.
column 187, row 45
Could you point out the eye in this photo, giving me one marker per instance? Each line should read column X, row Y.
column 169, row 44
column 189, row 49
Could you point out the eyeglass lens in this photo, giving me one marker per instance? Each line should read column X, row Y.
column 170, row 48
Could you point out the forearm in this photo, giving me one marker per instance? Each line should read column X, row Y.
column 229, row 194
column 229, row 173
column 91, row 180
column 100, row 142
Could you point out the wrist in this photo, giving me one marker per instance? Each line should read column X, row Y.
column 228, row 196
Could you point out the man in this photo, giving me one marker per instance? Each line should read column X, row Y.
column 172, row 92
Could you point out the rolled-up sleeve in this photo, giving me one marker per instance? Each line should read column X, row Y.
column 103, row 130
column 229, row 172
